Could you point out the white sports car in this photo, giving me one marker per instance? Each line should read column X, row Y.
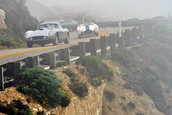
column 48, row 32
column 87, row 29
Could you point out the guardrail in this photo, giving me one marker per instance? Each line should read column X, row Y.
column 106, row 44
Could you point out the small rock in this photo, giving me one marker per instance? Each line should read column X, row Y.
column 40, row 109
column 35, row 110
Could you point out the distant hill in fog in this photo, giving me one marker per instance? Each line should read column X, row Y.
column 57, row 11
column 38, row 10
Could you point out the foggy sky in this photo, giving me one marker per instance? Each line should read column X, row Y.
column 119, row 9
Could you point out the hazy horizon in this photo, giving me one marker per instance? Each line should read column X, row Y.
column 116, row 9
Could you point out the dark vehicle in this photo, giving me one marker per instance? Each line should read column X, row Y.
column 69, row 24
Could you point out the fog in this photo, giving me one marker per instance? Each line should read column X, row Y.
column 118, row 9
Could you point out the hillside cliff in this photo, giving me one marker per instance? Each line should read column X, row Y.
column 111, row 97
column 18, row 21
column 2, row 18
column 89, row 105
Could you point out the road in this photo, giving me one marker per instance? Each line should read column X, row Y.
column 11, row 55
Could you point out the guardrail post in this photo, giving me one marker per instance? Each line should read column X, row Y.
column 87, row 47
column 1, row 78
column 52, row 59
column 112, row 43
column 93, row 47
column 67, row 55
column 103, row 45
column 119, row 41
column 108, row 41
column 81, row 49
column 134, row 34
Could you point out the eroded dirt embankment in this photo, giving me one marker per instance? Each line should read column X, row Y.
column 89, row 105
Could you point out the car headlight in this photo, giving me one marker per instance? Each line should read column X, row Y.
column 30, row 38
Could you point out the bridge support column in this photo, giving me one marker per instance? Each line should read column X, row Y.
column 33, row 61
column 87, row 47
column 93, row 47
column 119, row 41
column 103, row 43
column 46, row 59
column 16, row 69
column 67, row 55
column 1, row 78
column 52, row 59
column 112, row 43
column 81, row 49
column 134, row 34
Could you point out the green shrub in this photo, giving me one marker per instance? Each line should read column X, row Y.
column 79, row 88
column 138, row 91
column 127, row 86
column 16, row 108
column 65, row 100
column 131, row 105
column 61, row 64
column 140, row 114
column 96, row 67
column 124, row 108
column 109, row 95
column 71, row 74
column 96, row 81
column 42, row 85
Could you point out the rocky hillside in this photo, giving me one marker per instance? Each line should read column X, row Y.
column 91, row 104
column 147, row 64
column 18, row 21
column 116, row 96
column 123, row 98
column 2, row 19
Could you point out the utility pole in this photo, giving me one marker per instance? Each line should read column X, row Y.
column 83, row 20
column 120, row 29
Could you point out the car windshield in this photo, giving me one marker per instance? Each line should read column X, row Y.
column 49, row 26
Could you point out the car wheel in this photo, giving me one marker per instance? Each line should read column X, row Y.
column 67, row 39
column 29, row 45
column 55, row 41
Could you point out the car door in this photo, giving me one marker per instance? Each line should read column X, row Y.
column 60, row 33
column 63, row 33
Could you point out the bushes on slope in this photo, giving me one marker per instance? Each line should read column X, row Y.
column 43, row 86
column 96, row 67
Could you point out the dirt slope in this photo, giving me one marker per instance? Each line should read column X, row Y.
column 128, row 99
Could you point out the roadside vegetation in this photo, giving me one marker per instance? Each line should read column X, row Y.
column 61, row 64
column 44, row 86
column 15, row 108
column 97, row 69
column 78, row 87
column 109, row 95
